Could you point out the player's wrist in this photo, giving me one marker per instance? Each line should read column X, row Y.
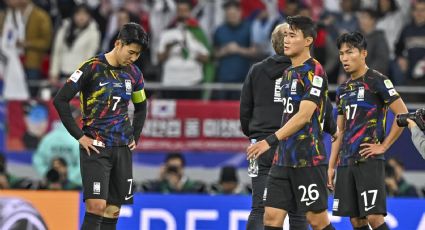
column 272, row 140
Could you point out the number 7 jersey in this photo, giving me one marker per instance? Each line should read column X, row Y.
column 364, row 104
column 105, row 92
column 305, row 148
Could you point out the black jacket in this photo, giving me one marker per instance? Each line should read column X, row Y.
column 260, row 106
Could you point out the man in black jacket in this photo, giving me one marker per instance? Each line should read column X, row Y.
column 260, row 115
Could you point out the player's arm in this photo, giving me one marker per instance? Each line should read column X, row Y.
column 140, row 111
column 396, row 107
column 247, row 103
column 299, row 120
column 61, row 103
column 330, row 125
column 336, row 146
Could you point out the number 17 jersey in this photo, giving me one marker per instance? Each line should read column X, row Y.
column 305, row 148
column 364, row 104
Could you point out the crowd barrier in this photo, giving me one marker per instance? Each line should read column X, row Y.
column 65, row 211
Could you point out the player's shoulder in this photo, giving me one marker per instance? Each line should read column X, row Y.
column 375, row 77
column 316, row 67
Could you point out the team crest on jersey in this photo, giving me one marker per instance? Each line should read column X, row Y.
column 360, row 94
column 335, row 205
column 388, row 84
column 96, row 188
column 128, row 86
column 294, row 86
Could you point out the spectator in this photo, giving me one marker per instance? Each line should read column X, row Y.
column 233, row 48
column 172, row 178
column 77, row 40
column 228, row 182
column 262, row 26
column 59, row 143
column 391, row 19
column 344, row 21
column 410, row 48
column 36, row 119
column 56, row 177
column 396, row 184
column 377, row 48
column 38, row 36
column 7, row 181
column 183, row 50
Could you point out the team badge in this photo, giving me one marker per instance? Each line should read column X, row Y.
column 128, row 86
column 360, row 94
column 317, row 81
column 294, row 86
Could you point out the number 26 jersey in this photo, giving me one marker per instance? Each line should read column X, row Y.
column 304, row 148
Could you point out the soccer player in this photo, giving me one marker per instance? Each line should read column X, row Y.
column 297, row 178
column 106, row 84
column 362, row 103
column 261, row 115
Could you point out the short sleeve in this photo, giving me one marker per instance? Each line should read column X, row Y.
column 385, row 89
column 315, row 84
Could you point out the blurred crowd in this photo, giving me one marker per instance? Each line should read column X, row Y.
column 198, row 41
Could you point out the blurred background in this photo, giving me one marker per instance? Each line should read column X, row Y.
column 199, row 55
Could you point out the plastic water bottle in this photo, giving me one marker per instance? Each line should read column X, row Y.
column 253, row 164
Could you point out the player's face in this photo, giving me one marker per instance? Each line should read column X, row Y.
column 128, row 54
column 294, row 42
column 352, row 58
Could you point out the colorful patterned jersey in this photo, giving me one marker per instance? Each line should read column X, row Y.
column 305, row 148
column 105, row 92
column 364, row 104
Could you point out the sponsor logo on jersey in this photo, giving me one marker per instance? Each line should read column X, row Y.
column 96, row 188
column 76, row 75
column 388, row 84
column 101, row 84
column 317, row 81
column 315, row 92
column 360, row 94
column 127, row 86
column 368, row 208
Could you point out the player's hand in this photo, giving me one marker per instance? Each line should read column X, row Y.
column 331, row 177
column 132, row 145
column 371, row 150
column 255, row 150
column 89, row 143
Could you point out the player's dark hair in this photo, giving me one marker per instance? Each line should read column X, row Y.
column 303, row 23
column 179, row 156
column 133, row 33
column 352, row 39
